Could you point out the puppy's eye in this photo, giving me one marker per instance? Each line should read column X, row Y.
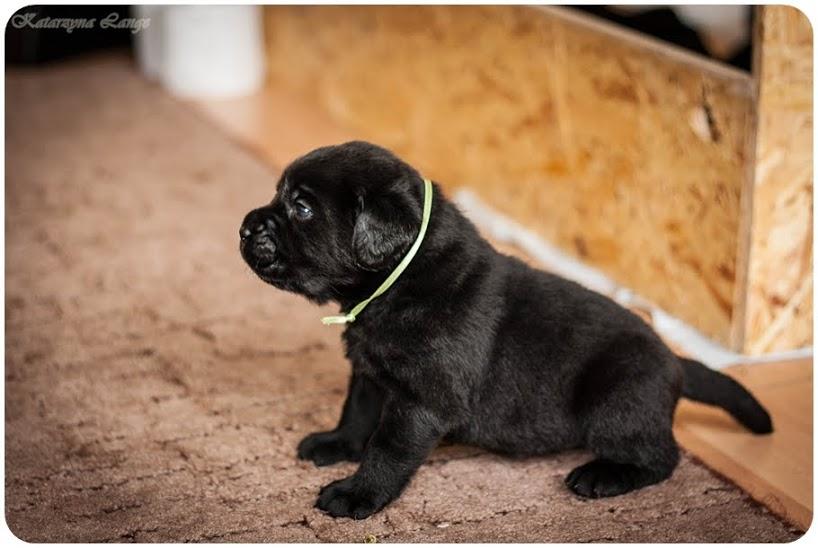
column 302, row 211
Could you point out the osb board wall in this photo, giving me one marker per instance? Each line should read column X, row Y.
column 779, row 282
column 625, row 153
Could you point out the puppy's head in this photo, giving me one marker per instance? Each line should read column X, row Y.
column 340, row 214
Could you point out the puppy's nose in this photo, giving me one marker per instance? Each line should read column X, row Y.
column 258, row 225
column 245, row 232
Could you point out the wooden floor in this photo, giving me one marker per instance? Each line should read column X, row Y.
column 774, row 469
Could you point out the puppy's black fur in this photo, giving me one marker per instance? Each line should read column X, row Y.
column 468, row 345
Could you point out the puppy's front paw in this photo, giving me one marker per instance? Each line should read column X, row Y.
column 343, row 498
column 324, row 448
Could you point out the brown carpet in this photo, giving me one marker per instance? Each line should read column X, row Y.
column 155, row 390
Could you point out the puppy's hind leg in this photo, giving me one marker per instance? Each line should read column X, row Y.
column 627, row 415
column 360, row 416
column 604, row 477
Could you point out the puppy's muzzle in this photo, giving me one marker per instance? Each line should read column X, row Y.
column 257, row 238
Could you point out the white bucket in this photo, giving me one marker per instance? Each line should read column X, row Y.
column 203, row 51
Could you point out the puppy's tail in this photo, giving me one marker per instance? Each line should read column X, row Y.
column 706, row 385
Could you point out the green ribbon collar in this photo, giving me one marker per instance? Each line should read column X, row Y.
column 392, row 278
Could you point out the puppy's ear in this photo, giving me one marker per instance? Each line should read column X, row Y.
column 386, row 226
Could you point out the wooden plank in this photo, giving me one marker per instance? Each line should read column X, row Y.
column 776, row 469
column 275, row 123
column 775, row 262
column 627, row 154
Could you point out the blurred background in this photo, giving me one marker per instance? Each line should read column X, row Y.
column 661, row 155
column 722, row 32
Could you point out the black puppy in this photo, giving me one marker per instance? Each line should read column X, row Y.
column 468, row 344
